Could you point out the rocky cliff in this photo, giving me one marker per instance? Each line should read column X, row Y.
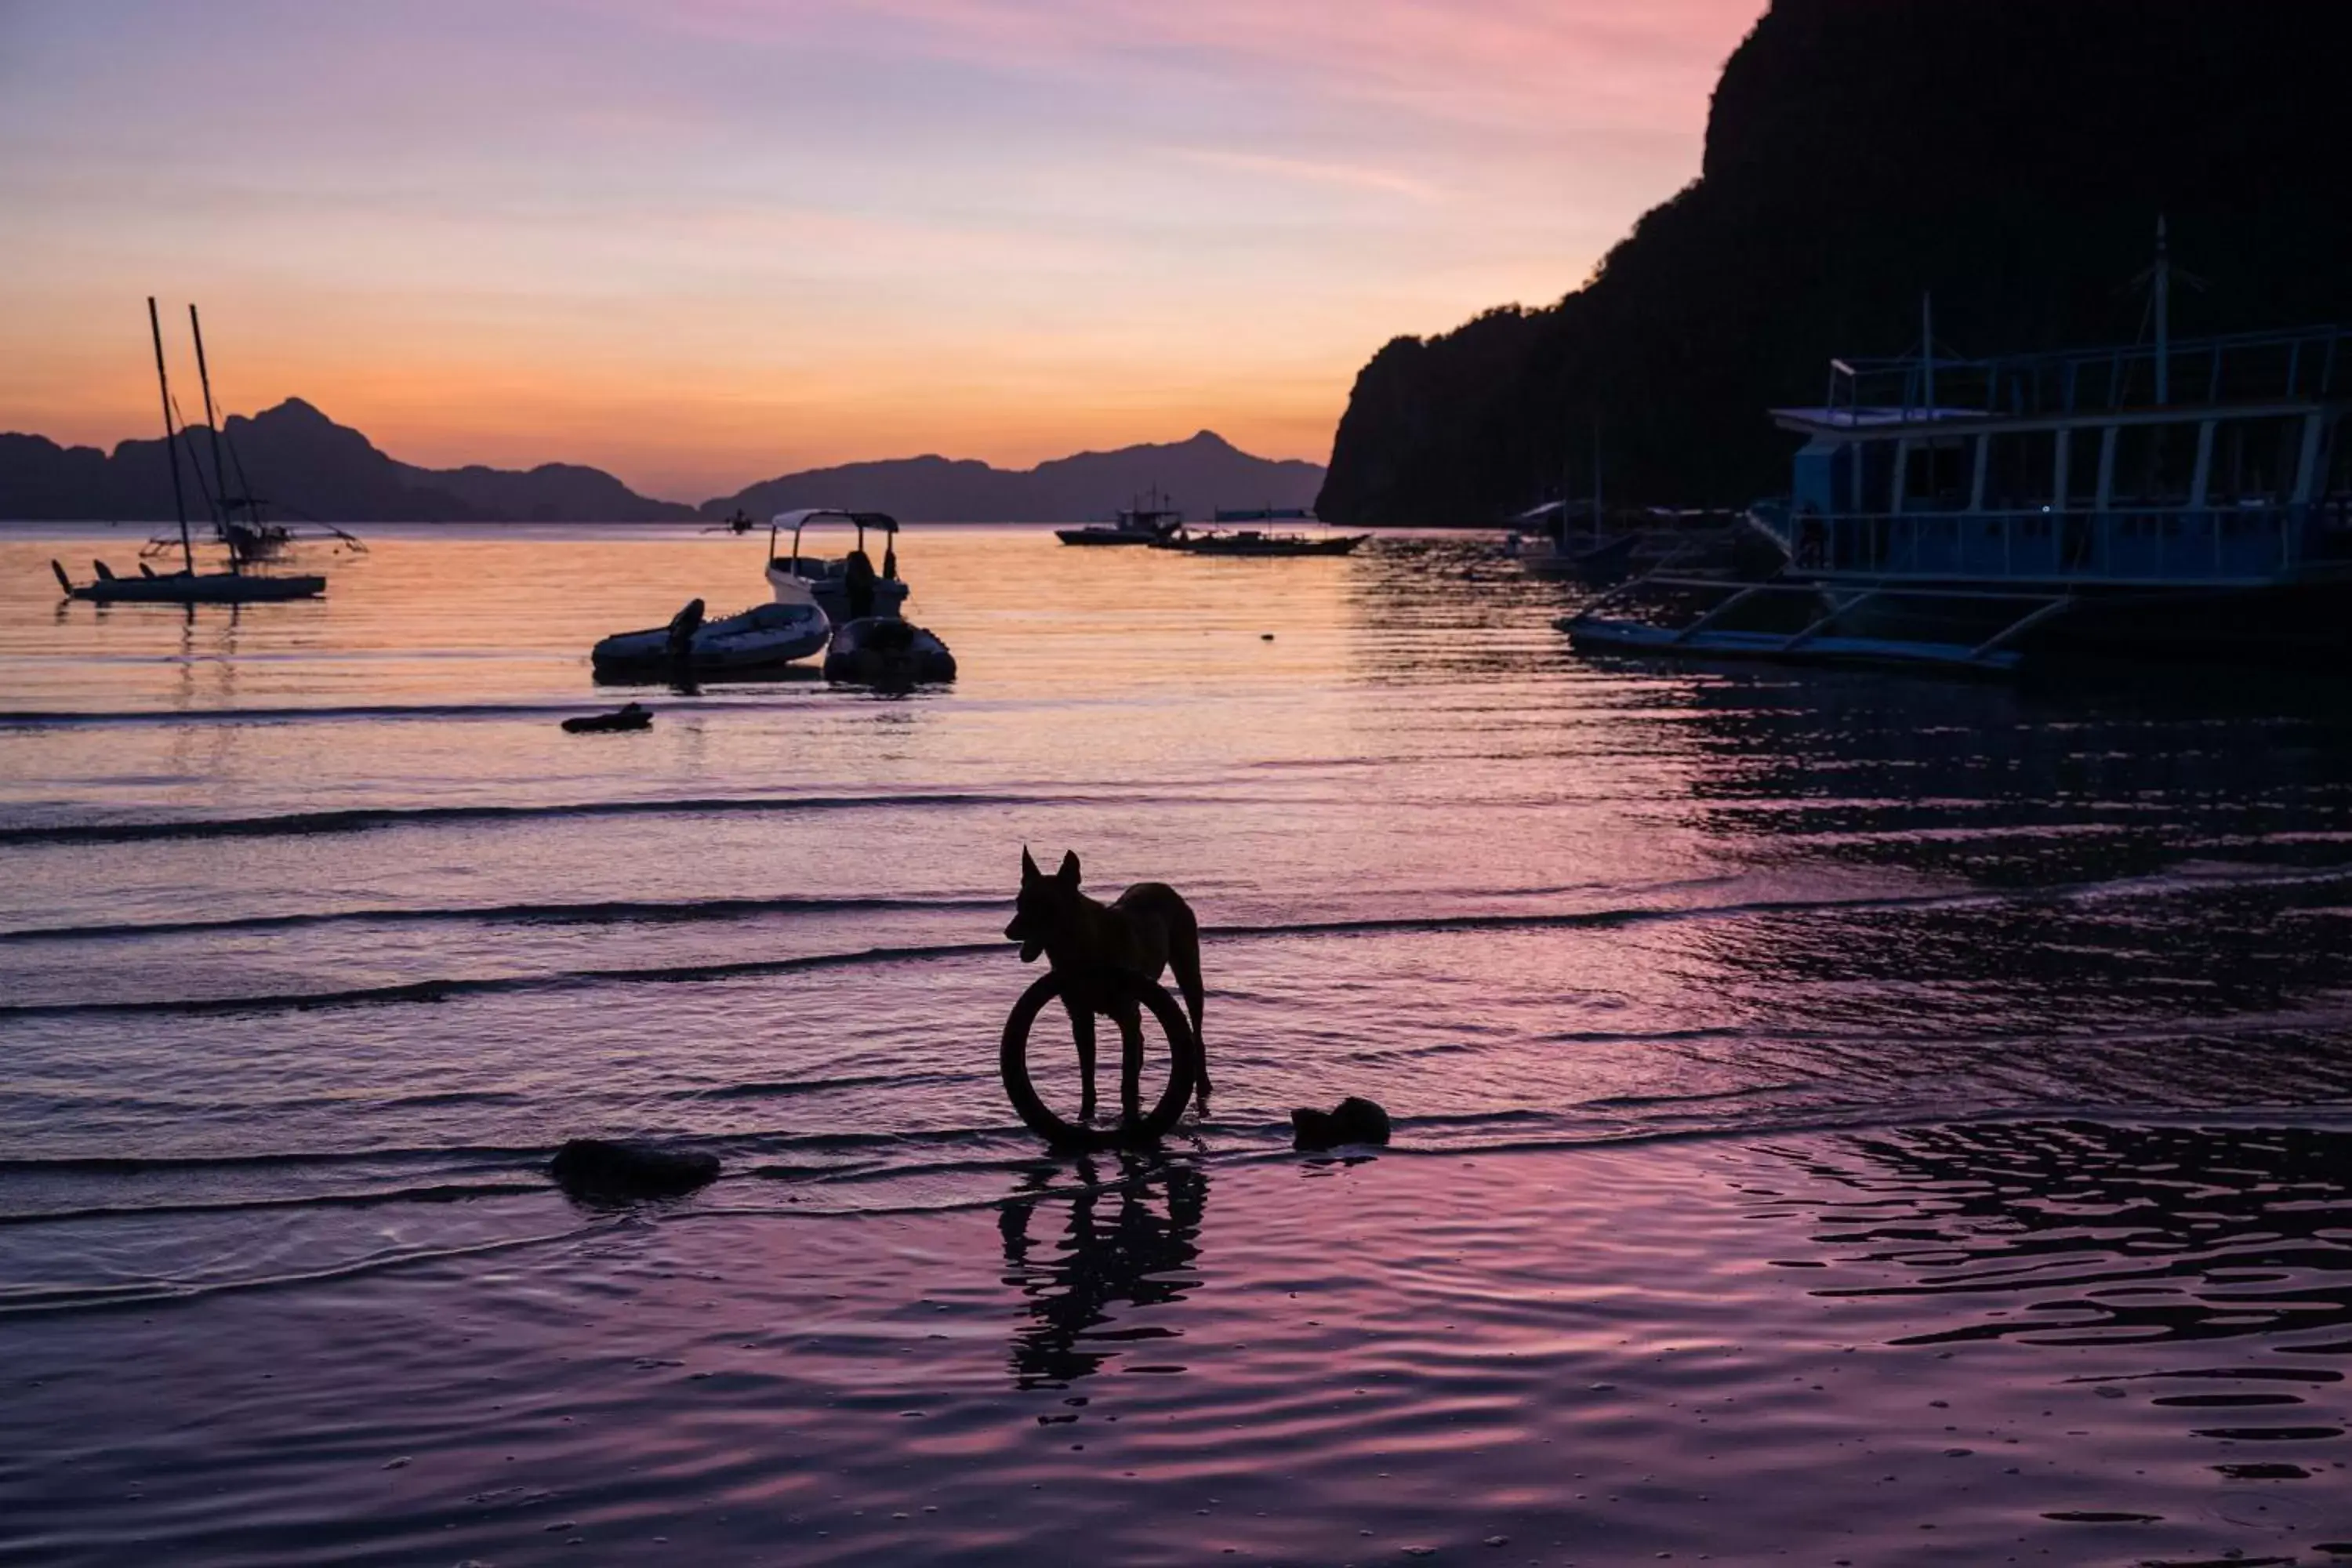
column 2011, row 156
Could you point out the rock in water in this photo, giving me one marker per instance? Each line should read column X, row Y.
column 634, row 716
column 593, row 1168
column 1352, row 1120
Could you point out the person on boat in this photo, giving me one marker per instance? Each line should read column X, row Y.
column 857, row 581
column 1812, row 535
column 890, row 560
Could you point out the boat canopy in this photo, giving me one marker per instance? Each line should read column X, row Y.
column 878, row 520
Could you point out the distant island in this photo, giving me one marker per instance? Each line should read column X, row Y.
column 1201, row 474
column 308, row 467
column 2011, row 156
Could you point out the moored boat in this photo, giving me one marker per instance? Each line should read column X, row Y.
column 237, row 522
column 764, row 636
column 188, row 587
column 1253, row 542
column 1140, row 525
column 848, row 588
column 2189, row 500
column 885, row 651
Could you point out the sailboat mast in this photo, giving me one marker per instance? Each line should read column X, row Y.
column 211, row 427
column 170, row 439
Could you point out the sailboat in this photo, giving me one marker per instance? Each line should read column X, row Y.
column 237, row 522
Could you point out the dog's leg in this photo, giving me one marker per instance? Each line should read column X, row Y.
column 1130, row 1061
column 1082, row 1029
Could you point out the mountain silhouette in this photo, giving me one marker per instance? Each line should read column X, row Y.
column 2010, row 156
column 1202, row 474
column 304, row 464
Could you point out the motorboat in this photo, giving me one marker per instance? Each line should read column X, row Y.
column 762, row 638
column 1253, row 542
column 877, row 650
column 847, row 589
column 1134, row 525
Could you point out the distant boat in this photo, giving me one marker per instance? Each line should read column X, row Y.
column 1139, row 524
column 237, row 522
column 1253, row 542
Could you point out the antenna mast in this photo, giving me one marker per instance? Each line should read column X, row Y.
column 170, row 439
column 2163, row 280
column 1927, row 346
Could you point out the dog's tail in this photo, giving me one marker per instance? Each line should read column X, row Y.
column 1184, row 960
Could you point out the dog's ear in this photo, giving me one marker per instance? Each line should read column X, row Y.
column 1070, row 871
column 1029, row 872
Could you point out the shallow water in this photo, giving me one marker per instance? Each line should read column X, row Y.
column 317, row 935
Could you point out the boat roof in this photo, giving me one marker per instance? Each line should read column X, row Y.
column 808, row 514
column 1870, row 418
column 2180, row 379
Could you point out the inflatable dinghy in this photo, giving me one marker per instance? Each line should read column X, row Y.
column 887, row 651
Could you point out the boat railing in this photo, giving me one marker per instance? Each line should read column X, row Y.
column 2186, row 545
column 2309, row 364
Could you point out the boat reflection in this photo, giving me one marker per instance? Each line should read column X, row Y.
column 1130, row 1236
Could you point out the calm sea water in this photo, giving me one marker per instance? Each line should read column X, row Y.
column 317, row 934
column 316, row 901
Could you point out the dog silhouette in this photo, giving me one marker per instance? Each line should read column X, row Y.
column 1089, row 945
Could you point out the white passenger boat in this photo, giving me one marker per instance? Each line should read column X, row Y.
column 850, row 587
column 2165, row 499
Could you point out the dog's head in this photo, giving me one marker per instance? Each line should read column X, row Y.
column 1043, row 910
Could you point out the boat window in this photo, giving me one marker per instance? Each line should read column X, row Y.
column 1939, row 473
column 2255, row 460
column 2020, row 471
column 1878, row 475
column 2155, row 465
column 2082, row 468
column 2336, row 481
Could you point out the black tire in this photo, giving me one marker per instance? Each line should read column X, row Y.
column 1184, row 1050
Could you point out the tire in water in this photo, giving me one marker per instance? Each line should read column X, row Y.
column 1184, row 1050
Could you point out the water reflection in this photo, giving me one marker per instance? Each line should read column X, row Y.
column 2014, row 788
column 1131, row 1235
column 2237, row 1242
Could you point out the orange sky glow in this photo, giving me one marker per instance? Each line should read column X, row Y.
column 702, row 242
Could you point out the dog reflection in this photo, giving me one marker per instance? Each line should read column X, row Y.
column 1131, row 1235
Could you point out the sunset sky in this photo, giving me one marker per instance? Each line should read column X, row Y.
column 701, row 242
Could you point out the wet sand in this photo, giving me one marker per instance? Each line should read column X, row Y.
column 2049, row 1342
